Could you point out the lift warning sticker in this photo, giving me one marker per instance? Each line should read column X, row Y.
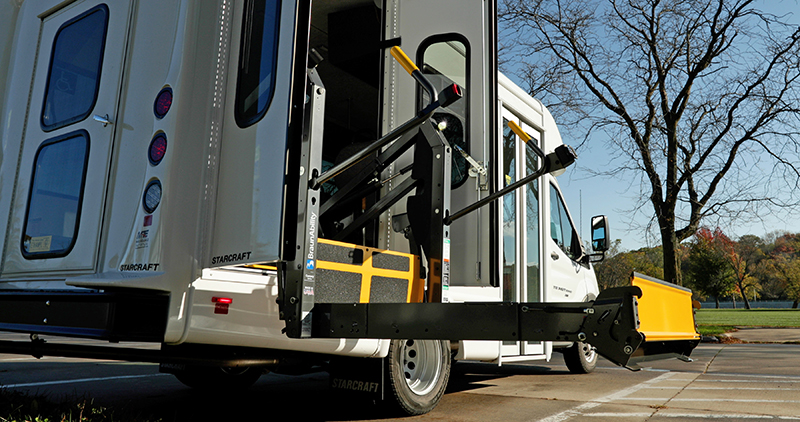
column 446, row 270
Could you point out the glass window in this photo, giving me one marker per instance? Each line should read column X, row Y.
column 561, row 230
column 509, row 214
column 74, row 73
column 54, row 204
column 532, row 225
column 444, row 63
column 257, row 60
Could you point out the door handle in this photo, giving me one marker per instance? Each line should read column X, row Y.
column 554, row 256
column 103, row 119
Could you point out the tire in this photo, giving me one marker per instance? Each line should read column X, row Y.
column 218, row 378
column 417, row 374
column 581, row 358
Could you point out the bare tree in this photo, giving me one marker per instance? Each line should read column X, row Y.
column 699, row 97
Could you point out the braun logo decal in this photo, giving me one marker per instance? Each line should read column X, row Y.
column 230, row 258
column 312, row 240
column 139, row 267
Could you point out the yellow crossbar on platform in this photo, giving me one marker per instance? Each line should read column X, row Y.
column 665, row 310
column 348, row 273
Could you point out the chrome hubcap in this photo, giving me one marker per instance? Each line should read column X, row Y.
column 422, row 364
column 589, row 353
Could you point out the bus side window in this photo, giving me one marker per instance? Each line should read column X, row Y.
column 561, row 230
column 257, row 61
column 73, row 77
column 54, row 204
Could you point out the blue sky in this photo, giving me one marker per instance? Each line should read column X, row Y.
column 588, row 195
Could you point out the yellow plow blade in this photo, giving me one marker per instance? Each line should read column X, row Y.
column 666, row 318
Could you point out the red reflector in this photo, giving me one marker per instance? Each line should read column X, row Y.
column 158, row 148
column 163, row 103
column 221, row 300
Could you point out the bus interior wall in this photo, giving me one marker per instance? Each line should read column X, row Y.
column 347, row 35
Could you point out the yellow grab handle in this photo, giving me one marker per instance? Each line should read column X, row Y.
column 518, row 130
column 404, row 61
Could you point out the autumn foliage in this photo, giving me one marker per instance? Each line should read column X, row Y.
column 718, row 267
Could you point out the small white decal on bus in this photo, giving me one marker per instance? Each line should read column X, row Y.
column 142, row 239
column 40, row 244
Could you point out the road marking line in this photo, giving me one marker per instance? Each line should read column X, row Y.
column 687, row 416
column 751, row 381
column 727, row 388
column 713, row 399
column 39, row 384
column 786, row 377
column 618, row 415
column 578, row 410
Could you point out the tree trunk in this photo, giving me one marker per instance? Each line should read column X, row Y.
column 794, row 305
column 733, row 298
column 744, row 296
column 672, row 268
column 716, row 300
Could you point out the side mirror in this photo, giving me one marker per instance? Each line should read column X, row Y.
column 600, row 237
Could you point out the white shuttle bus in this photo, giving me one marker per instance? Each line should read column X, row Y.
column 260, row 185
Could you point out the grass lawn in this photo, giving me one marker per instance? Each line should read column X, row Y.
column 712, row 322
column 749, row 318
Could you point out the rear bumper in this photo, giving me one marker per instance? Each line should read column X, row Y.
column 114, row 316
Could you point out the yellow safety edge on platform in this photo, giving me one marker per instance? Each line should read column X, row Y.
column 262, row 267
column 665, row 310
column 367, row 271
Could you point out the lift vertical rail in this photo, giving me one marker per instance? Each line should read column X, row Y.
column 299, row 275
column 430, row 205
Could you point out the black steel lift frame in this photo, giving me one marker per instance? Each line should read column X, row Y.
column 609, row 323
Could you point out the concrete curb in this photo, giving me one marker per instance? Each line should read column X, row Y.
column 773, row 335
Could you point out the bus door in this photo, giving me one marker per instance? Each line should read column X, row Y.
column 566, row 275
column 520, row 227
column 250, row 198
column 67, row 141
column 449, row 43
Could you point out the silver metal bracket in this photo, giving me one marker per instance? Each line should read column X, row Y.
column 476, row 169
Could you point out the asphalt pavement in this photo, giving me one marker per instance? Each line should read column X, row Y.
column 731, row 382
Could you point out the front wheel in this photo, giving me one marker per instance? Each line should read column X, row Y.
column 581, row 358
column 417, row 371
